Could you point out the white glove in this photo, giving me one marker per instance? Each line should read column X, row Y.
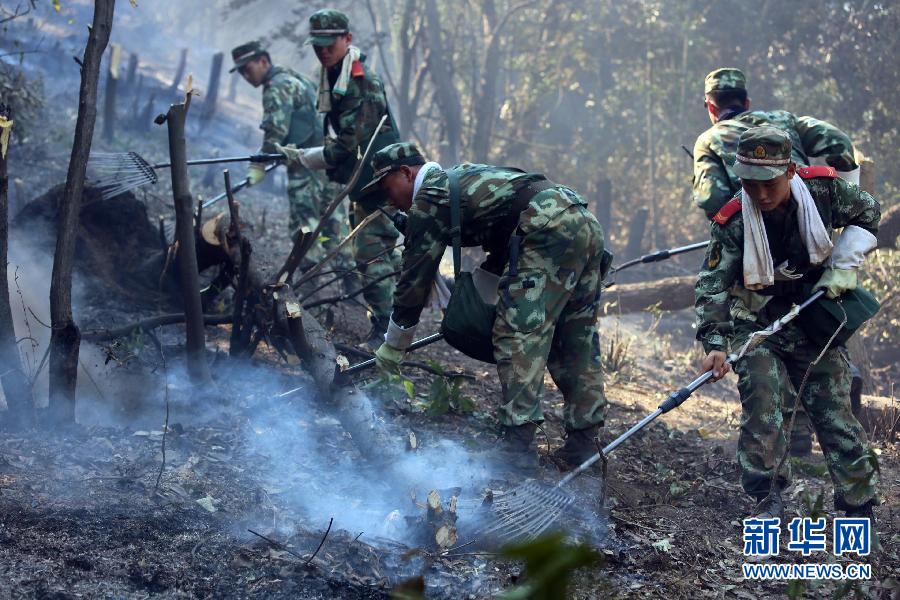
column 256, row 173
column 399, row 337
column 850, row 250
column 850, row 176
column 313, row 158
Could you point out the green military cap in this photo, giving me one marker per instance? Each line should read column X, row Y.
column 326, row 25
column 763, row 153
column 244, row 53
column 390, row 158
column 725, row 79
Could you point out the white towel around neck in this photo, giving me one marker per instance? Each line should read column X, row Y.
column 759, row 270
column 323, row 104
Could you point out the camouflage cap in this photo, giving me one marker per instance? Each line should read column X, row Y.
column 763, row 153
column 725, row 79
column 244, row 53
column 326, row 25
column 390, row 158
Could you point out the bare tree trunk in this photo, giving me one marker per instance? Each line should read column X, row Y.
column 188, row 273
column 604, row 205
column 212, row 92
column 109, row 96
column 19, row 403
column 131, row 73
column 446, row 95
column 179, row 72
column 65, row 337
column 486, row 105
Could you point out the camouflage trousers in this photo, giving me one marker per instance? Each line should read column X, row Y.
column 768, row 378
column 308, row 195
column 547, row 315
column 374, row 261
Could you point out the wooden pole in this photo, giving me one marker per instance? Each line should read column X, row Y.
column 19, row 402
column 65, row 336
column 188, row 273
column 212, row 92
column 109, row 96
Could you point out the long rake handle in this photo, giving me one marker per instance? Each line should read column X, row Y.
column 366, row 364
column 659, row 255
column 238, row 186
column 227, row 159
column 362, row 366
column 675, row 399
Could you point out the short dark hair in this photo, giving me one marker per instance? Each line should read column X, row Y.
column 728, row 98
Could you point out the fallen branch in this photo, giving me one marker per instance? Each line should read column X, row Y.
column 406, row 363
column 353, row 294
column 322, row 543
column 101, row 335
column 277, row 544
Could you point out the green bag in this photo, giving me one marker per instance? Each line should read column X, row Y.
column 820, row 319
column 468, row 320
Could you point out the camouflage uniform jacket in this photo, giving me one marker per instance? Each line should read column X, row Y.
column 289, row 110
column 486, row 202
column 719, row 291
column 353, row 118
column 714, row 181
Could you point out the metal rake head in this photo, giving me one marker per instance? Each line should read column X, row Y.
column 526, row 511
column 118, row 173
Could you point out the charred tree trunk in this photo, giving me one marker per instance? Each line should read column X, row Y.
column 636, row 233
column 19, row 404
column 486, row 107
column 188, row 273
column 232, row 86
column 603, row 208
column 65, row 337
column 179, row 72
column 109, row 96
column 889, row 228
column 131, row 73
column 212, row 92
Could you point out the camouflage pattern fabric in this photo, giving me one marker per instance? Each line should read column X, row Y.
column 768, row 378
column 547, row 313
column 353, row 118
column 373, row 261
column 714, row 180
column 727, row 313
column 724, row 79
column 289, row 117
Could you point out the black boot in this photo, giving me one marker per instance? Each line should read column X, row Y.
column 375, row 337
column 580, row 445
column 862, row 512
column 516, row 454
column 769, row 506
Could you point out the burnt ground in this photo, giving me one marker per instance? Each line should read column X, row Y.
column 81, row 514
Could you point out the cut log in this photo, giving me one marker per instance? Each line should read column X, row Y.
column 889, row 228
column 670, row 293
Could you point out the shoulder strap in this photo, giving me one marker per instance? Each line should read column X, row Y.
column 731, row 208
column 817, row 171
column 455, row 220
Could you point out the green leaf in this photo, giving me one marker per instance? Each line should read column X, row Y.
column 549, row 564
column 438, row 398
column 57, row 6
column 795, row 588
column 410, row 390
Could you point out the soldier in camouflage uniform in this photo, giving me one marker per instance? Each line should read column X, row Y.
column 715, row 183
column 729, row 311
column 353, row 100
column 289, row 118
column 728, row 107
column 549, row 299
